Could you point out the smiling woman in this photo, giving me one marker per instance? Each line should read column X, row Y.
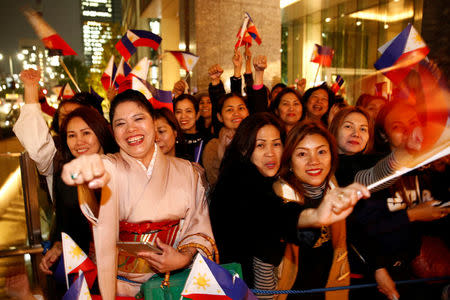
column 138, row 198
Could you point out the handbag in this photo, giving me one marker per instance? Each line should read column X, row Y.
column 170, row 286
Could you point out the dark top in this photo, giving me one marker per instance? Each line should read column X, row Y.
column 68, row 215
column 380, row 237
column 192, row 146
column 248, row 219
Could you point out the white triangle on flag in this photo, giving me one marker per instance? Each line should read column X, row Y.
column 141, row 69
column 73, row 255
column 190, row 61
column 201, row 280
column 84, row 292
column 414, row 41
column 139, row 86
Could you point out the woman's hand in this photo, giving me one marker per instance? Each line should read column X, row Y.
column 339, row 202
column 237, row 63
column 260, row 63
column 180, row 87
column 301, row 86
column 225, row 137
column 86, row 169
column 385, row 284
column 169, row 260
column 50, row 258
column 215, row 72
column 30, row 79
column 427, row 212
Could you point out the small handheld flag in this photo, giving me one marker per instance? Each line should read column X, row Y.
column 122, row 72
column 66, row 92
column 78, row 290
column 208, row 280
column 109, row 74
column 322, row 55
column 247, row 32
column 337, row 84
column 137, row 38
column 186, row 60
column 401, row 53
column 52, row 41
column 75, row 260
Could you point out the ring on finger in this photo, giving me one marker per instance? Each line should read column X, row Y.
column 359, row 193
column 74, row 175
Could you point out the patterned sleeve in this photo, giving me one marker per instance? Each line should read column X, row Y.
column 382, row 169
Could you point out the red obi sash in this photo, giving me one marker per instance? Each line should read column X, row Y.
column 166, row 231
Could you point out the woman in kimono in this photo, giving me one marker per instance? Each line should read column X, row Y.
column 146, row 196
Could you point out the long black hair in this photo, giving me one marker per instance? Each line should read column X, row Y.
column 331, row 99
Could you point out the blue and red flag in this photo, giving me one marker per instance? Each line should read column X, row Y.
column 401, row 53
column 137, row 38
column 247, row 32
column 186, row 60
column 78, row 290
column 322, row 55
column 337, row 84
column 122, row 72
column 208, row 280
column 52, row 41
column 109, row 74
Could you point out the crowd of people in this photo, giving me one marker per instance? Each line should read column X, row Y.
column 277, row 177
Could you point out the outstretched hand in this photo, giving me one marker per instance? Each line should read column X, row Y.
column 87, row 169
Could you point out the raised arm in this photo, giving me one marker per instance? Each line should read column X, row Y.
column 257, row 94
column 236, row 80
column 31, row 128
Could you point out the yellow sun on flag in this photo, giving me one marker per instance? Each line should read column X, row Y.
column 190, row 61
column 201, row 281
column 76, row 252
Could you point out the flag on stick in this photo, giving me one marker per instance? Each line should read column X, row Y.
column 109, row 74
column 186, row 60
column 52, row 41
column 136, row 38
column 75, row 260
column 122, row 72
column 247, row 32
column 337, row 84
column 66, row 92
column 322, row 55
column 401, row 53
column 78, row 290
column 208, row 280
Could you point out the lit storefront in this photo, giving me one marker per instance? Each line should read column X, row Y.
column 355, row 29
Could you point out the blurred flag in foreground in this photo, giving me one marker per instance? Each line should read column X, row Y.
column 52, row 41
column 122, row 72
column 401, row 53
column 186, row 60
column 109, row 74
column 66, row 92
column 337, row 84
column 322, row 55
column 247, row 32
column 78, row 290
column 208, row 280
column 137, row 38
column 75, row 260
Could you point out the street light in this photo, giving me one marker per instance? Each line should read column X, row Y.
column 1, row 56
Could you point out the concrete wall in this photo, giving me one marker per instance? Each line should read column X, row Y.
column 216, row 24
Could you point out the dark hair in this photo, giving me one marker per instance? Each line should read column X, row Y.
column 331, row 99
column 130, row 96
column 276, row 102
column 191, row 98
column 338, row 119
column 99, row 126
column 295, row 136
column 225, row 97
column 242, row 146
column 201, row 95
column 83, row 99
column 365, row 99
column 278, row 85
column 167, row 114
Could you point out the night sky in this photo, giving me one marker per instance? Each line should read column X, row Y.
column 62, row 15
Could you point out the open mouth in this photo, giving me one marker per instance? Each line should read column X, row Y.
column 135, row 140
column 271, row 165
column 236, row 120
column 314, row 172
column 353, row 143
column 317, row 107
column 82, row 150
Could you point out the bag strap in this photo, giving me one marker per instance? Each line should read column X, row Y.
column 214, row 256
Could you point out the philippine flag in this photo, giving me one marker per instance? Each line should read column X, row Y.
column 401, row 53
column 137, row 38
column 322, row 55
column 247, row 32
column 52, row 41
column 186, row 60
column 75, row 260
column 337, row 84
column 78, row 290
column 122, row 72
column 109, row 74
column 66, row 92
column 208, row 280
